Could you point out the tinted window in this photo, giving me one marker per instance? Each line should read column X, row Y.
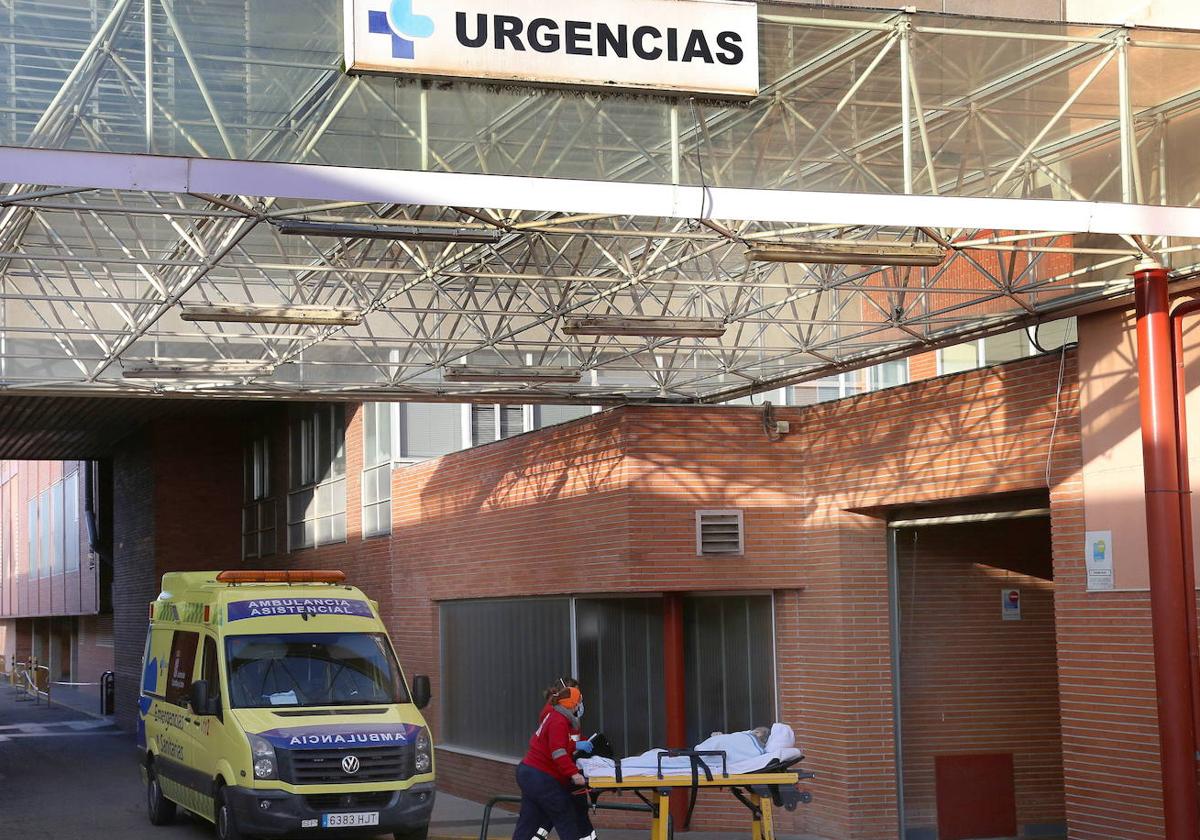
column 496, row 658
column 212, row 671
column 181, row 667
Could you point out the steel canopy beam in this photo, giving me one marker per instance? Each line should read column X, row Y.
column 184, row 175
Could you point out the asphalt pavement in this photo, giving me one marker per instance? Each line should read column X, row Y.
column 65, row 775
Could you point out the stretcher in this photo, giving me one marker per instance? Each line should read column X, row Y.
column 773, row 786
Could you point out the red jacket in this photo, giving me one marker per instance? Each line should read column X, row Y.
column 553, row 744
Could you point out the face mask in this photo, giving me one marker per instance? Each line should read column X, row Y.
column 579, row 711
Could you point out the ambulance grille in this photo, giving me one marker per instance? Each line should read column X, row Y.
column 334, row 801
column 324, row 767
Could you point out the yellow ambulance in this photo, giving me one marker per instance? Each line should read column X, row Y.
column 272, row 705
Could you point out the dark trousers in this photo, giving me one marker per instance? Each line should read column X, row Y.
column 546, row 804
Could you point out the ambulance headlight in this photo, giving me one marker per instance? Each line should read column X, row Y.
column 424, row 756
column 263, row 756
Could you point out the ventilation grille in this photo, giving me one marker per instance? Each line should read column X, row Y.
column 718, row 532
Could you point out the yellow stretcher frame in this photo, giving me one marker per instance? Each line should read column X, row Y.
column 762, row 826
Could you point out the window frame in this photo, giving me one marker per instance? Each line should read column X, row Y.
column 309, row 480
column 170, row 695
column 469, row 441
column 259, row 505
column 386, row 466
column 44, row 534
column 207, row 640
column 72, row 544
column 467, row 750
column 874, row 383
column 33, row 540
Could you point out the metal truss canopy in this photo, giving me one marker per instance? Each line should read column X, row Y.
column 179, row 164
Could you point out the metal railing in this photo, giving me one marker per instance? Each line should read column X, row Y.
column 31, row 681
column 600, row 806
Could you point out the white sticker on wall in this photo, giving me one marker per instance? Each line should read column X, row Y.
column 1098, row 555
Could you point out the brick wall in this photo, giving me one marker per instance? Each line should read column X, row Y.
column 135, row 582
column 95, row 648
column 606, row 504
column 971, row 682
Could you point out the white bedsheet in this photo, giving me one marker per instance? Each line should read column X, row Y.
column 744, row 752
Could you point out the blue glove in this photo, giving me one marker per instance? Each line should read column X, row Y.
column 584, row 747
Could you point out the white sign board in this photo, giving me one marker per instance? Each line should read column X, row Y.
column 1010, row 604
column 1098, row 555
column 683, row 46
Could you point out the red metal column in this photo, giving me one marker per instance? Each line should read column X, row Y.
column 675, row 689
column 1168, row 596
column 1183, row 310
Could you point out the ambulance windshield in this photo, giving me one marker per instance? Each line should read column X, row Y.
column 312, row 669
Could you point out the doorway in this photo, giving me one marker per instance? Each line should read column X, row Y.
column 975, row 656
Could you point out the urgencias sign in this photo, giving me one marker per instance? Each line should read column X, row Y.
column 683, row 46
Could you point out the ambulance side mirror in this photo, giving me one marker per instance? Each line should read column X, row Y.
column 199, row 698
column 421, row 691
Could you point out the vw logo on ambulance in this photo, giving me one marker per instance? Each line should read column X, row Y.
column 683, row 46
column 350, row 765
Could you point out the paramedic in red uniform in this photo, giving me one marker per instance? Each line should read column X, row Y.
column 548, row 775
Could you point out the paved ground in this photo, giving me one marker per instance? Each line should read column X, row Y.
column 67, row 776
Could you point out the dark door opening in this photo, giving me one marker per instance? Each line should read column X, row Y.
column 974, row 638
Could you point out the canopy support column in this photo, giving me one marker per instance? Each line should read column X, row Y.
column 1168, row 593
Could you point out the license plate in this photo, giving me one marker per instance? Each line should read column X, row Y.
column 349, row 820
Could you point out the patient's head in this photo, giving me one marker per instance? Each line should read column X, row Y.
column 761, row 733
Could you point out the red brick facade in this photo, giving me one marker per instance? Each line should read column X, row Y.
column 606, row 504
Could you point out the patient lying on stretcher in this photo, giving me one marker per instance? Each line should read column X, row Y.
column 747, row 752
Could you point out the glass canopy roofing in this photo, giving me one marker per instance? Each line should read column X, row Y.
column 1045, row 160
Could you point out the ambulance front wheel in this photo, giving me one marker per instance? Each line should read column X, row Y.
column 160, row 809
column 227, row 828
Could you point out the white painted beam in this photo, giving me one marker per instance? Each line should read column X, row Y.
column 308, row 182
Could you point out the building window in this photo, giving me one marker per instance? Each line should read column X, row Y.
column 378, row 438
column 490, row 423
column 1006, row 347
column 552, row 415
column 620, row 656
column 44, row 532
column 478, row 640
column 428, row 430
column 729, row 663
column 71, row 522
column 317, row 476
column 31, row 537
column 887, row 375
column 56, row 528
column 826, row 389
column 729, row 653
column 258, row 505
column 959, row 358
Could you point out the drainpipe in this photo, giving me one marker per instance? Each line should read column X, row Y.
column 1168, row 598
column 1180, row 312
